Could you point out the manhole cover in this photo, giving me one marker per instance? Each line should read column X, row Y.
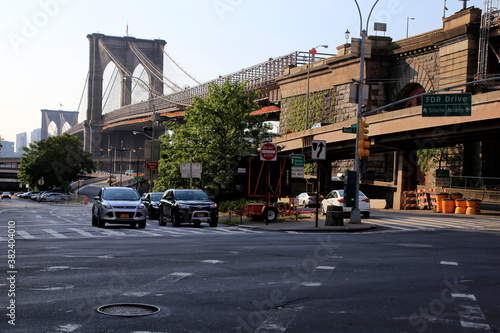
column 128, row 310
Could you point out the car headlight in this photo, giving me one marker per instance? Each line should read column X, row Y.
column 141, row 206
column 107, row 206
column 183, row 206
column 213, row 205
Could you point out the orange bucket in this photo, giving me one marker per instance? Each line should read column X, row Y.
column 439, row 201
column 455, row 196
column 448, row 205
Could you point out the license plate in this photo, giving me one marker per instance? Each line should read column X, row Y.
column 199, row 215
column 124, row 216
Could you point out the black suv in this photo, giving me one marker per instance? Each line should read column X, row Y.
column 152, row 202
column 190, row 206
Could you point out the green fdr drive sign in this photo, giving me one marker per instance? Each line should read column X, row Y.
column 447, row 105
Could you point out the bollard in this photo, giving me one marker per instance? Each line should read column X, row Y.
column 334, row 216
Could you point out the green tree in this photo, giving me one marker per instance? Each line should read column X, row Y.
column 58, row 159
column 428, row 158
column 218, row 128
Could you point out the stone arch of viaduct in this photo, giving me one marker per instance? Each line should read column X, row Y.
column 103, row 50
column 59, row 118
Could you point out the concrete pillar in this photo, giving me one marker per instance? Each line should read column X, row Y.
column 472, row 159
column 406, row 176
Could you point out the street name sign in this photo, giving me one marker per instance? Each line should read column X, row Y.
column 442, row 178
column 447, row 105
column 351, row 129
column 298, row 164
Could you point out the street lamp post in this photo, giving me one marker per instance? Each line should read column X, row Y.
column 313, row 52
column 355, row 213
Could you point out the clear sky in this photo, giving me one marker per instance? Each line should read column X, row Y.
column 45, row 52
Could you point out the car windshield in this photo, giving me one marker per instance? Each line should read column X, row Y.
column 156, row 196
column 191, row 195
column 120, row 194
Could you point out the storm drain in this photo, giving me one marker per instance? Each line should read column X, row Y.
column 128, row 310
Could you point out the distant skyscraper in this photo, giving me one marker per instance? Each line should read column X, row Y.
column 36, row 135
column 7, row 149
column 21, row 141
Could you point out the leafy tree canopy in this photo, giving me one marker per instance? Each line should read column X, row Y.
column 217, row 129
column 58, row 159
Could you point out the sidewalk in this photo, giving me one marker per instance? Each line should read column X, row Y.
column 304, row 224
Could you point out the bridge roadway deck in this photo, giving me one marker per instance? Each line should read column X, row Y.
column 404, row 129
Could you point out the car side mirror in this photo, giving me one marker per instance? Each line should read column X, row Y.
column 97, row 198
column 170, row 198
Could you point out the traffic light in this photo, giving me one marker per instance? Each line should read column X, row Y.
column 363, row 140
column 147, row 129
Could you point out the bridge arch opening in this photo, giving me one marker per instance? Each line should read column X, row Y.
column 140, row 92
column 111, row 88
column 65, row 127
column 411, row 89
column 52, row 129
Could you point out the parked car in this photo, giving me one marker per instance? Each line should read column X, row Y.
column 308, row 199
column 152, row 202
column 130, row 173
column 28, row 195
column 34, row 195
column 118, row 205
column 336, row 198
column 53, row 196
column 6, row 195
column 190, row 206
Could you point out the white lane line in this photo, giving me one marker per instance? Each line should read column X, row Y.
column 149, row 233
column 471, row 297
column 212, row 261
column 326, row 268
column 54, row 233
column 451, row 263
column 169, row 231
column 112, row 232
column 82, row 232
column 25, row 235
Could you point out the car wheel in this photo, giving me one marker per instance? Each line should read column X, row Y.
column 100, row 223
column 366, row 215
column 142, row 224
column 175, row 219
column 161, row 220
column 271, row 214
column 133, row 225
column 94, row 220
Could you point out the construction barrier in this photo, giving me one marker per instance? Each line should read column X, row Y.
column 439, row 200
column 460, row 206
column 448, row 205
column 473, row 207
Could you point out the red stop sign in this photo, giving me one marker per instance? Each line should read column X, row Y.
column 268, row 152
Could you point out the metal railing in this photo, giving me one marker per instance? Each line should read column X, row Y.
column 475, row 183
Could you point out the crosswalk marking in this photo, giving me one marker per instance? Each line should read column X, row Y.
column 153, row 231
column 54, row 233
column 24, row 234
column 433, row 222
column 82, row 232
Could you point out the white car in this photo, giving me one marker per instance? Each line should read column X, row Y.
column 336, row 198
column 308, row 199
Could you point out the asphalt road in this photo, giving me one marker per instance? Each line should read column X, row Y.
column 227, row 279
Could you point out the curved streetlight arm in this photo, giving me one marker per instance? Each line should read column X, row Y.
column 361, row 16
column 137, row 132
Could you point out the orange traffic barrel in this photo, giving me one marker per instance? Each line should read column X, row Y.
column 448, row 205
column 473, row 207
column 439, row 201
column 455, row 196
column 460, row 206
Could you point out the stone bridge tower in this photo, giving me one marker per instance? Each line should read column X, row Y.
column 126, row 53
